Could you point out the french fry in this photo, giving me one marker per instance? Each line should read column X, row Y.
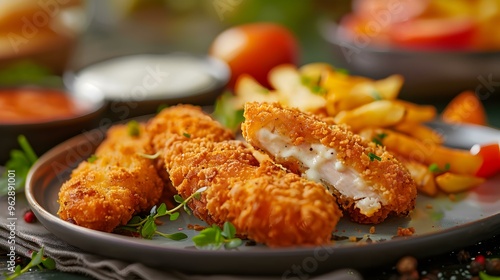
column 427, row 152
column 420, row 132
column 348, row 92
column 454, row 183
column 423, row 177
column 287, row 81
column 418, row 113
column 315, row 71
column 389, row 87
column 248, row 89
column 382, row 113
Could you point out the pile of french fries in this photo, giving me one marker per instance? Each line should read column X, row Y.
column 372, row 109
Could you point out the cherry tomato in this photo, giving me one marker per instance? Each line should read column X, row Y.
column 435, row 34
column 491, row 158
column 255, row 49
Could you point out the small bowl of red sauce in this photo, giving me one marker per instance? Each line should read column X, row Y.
column 45, row 116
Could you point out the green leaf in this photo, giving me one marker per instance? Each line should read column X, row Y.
column 187, row 209
column 27, row 149
column 178, row 198
column 148, row 229
column 49, row 263
column 162, row 210
column 187, row 135
column 92, row 158
column 20, row 161
column 229, row 231
column 233, row 243
column 174, row 236
column 134, row 220
column 434, row 168
column 208, row 236
column 213, row 237
column 226, row 113
column 133, row 128
column 174, row 216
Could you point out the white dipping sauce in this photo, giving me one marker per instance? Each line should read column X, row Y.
column 146, row 76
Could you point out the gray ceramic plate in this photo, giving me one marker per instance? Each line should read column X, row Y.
column 441, row 224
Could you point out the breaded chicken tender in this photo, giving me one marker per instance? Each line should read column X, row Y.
column 370, row 183
column 263, row 201
column 184, row 122
column 120, row 183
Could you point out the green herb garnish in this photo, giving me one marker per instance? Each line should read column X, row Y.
column 134, row 129
column 226, row 113
column 434, row 168
column 187, row 135
column 153, row 156
column 28, row 72
column 161, row 107
column 92, row 158
column 317, row 89
column 376, row 94
column 313, row 85
column 20, row 162
column 378, row 138
column 214, row 237
column 342, row 70
column 37, row 260
column 373, row 157
column 147, row 227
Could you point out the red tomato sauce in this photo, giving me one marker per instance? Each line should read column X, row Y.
column 19, row 106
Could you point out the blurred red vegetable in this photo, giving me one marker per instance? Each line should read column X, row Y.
column 255, row 49
column 491, row 158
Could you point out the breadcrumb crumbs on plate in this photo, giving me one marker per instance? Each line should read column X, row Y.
column 353, row 238
column 406, row 231
column 196, row 227
column 429, row 206
column 452, row 197
column 372, row 230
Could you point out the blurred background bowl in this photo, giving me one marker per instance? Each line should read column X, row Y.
column 140, row 84
column 44, row 132
column 430, row 76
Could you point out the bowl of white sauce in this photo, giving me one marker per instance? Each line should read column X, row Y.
column 139, row 84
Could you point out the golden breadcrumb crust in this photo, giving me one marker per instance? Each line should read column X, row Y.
column 387, row 176
column 107, row 192
column 263, row 201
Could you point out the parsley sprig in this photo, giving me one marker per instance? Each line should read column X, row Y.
column 214, row 237
column 20, row 161
column 147, row 226
column 37, row 260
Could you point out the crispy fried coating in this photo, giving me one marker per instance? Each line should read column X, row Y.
column 370, row 183
column 107, row 192
column 190, row 122
column 262, row 200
